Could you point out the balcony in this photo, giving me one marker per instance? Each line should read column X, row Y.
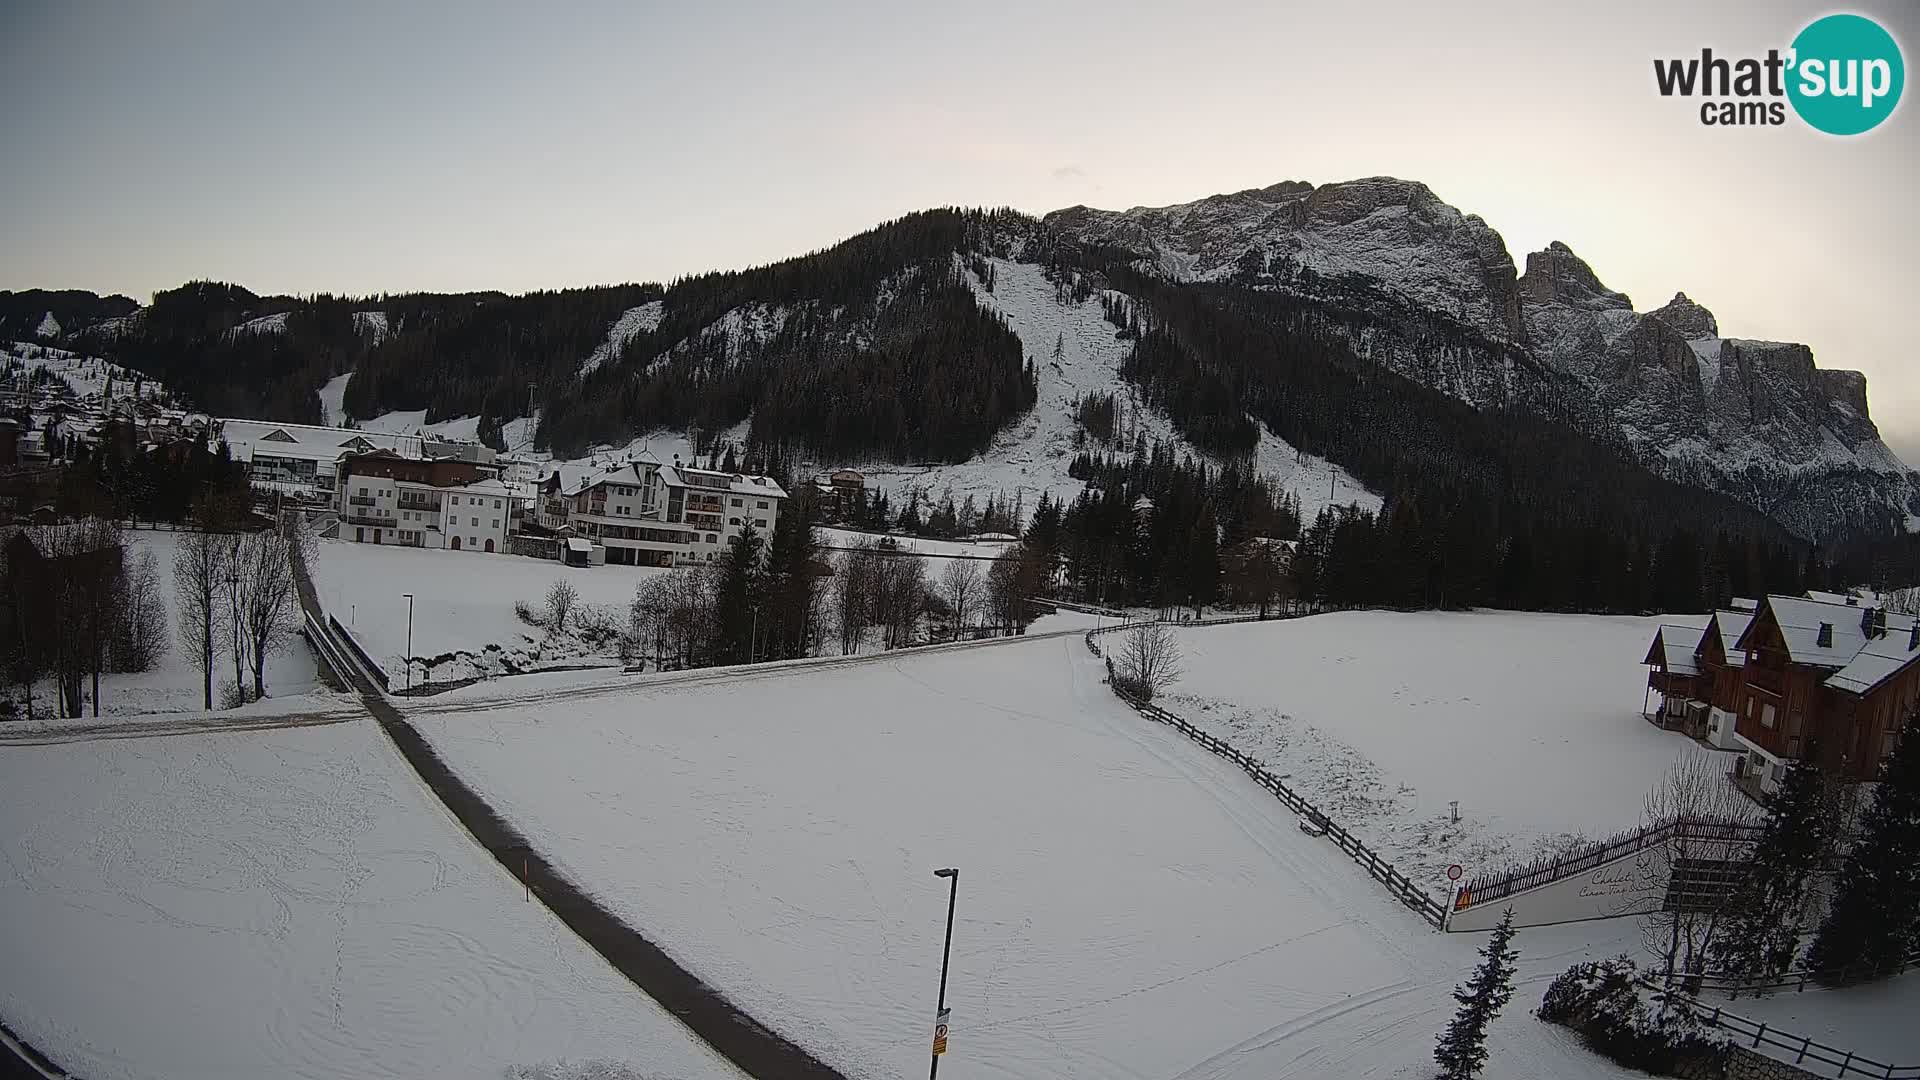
column 369, row 519
column 361, row 500
column 1770, row 680
column 419, row 504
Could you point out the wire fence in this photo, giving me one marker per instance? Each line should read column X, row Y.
column 1313, row 819
column 1804, row 1050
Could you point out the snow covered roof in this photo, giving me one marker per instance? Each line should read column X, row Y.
column 1801, row 619
column 245, row 438
column 1676, row 645
column 579, row 543
column 1741, row 603
column 1731, row 624
column 1879, row 660
column 758, row 486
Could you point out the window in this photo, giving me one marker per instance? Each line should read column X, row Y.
column 712, row 539
column 476, row 524
column 1766, row 716
column 736, row 502
column 456, row 500
column 496, row 523
column 363, row 491
column 761, row 522
column 761, row 505
column 733, row 521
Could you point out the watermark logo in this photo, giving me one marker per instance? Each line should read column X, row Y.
column 1843, row 75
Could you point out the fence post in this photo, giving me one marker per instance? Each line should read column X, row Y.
column 1805, row 1041
column 1758, row 1034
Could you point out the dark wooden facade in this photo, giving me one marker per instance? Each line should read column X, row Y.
column 1787, row 707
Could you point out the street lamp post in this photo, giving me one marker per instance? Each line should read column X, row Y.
column 409, row 597
column 952, row 875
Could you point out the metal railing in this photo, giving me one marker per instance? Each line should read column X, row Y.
column 1500, row 885
column 1803, row 1048
column 361, row 500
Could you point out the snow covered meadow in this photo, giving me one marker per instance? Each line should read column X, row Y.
column 286, row 904
column 1129, row 906
column 1382, row 719
column 463, row 604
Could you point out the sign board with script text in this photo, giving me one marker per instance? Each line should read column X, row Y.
column 940, row 1032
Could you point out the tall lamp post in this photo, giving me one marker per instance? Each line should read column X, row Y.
column 409, row 597
column 952, row 875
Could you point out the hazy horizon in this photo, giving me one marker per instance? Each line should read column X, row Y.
column 360, row 149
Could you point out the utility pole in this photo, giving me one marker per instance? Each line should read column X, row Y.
column 409, row 597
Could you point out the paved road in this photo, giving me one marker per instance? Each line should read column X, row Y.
column 754, row 1048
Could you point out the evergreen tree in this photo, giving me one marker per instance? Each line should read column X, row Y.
column 735, row 612
column 1462, row 1048
column 792, row 590
column 1874, row 923
column 1770, row 907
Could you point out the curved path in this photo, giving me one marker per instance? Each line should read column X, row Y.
column 751, row 1046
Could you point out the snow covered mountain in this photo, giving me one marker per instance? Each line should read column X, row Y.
column 1755, row 420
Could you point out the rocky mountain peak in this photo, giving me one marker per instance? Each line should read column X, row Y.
column 1686, row 318
column 1557, row 276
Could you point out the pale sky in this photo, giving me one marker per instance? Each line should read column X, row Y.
column 361, row 148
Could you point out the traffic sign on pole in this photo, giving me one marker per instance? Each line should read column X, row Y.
column 940, row 1032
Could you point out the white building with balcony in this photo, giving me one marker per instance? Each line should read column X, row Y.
column 644, row 513
column 388, row 499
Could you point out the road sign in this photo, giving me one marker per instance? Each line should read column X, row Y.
column 1454, row 872
column 940, row 1033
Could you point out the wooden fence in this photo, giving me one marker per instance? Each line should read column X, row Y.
column 1499, row 885
column 1382, row 871
column 374, row 671
column 1805, row 1050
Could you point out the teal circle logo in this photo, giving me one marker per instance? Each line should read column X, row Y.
column 1847, row 74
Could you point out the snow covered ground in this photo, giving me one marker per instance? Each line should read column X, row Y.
column 463, row 603
column 333, row 412
column 1032, row 454
column 87, row 375
column 1129, row 905
column 1532, row 722
column 1873, row 1021
column 174, row 685
column 289, row 904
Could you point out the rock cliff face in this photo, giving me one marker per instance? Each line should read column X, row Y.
column 1754, row 419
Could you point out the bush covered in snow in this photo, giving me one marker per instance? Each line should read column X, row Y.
column 1602, row 1001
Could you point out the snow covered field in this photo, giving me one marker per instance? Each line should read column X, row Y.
column 1129, row 906
column 174, row 686
column 288, row 904
column 1531, row 721
column 463, row 601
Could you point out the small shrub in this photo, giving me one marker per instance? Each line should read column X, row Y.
column 524, row 612
column 1600, row 1000
column 562, row 598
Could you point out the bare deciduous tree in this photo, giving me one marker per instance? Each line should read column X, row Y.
column 1697, row 792
column 199, row 575
column 853, row 595
column 1149, row 660
column 561, row 598
column 265, row 603
column 960, row 585
column 141, row 638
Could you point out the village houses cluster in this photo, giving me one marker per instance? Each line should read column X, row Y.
column 421, row 491
column 1826, row 676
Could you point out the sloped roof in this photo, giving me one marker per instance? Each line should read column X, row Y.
column 1800, row 620
column 763, row 487
column 1732, row 624
column 1881, row 659
column 1677, row 646
column 307, row 441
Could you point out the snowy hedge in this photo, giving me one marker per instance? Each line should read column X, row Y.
column 1602, row 1001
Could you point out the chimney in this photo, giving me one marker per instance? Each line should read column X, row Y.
column 1866, row 622
column 1825, row 640
column 1913, row 638
column 1852, row 600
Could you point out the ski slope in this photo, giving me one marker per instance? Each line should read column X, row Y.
column 289, row 904
column 1129, row 906
column 1382, row 719
column 1075, row 354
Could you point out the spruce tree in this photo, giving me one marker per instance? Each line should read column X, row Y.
column 1769, row 907
column 1874, row 923
column 1462, row 1048
column 735, row 610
